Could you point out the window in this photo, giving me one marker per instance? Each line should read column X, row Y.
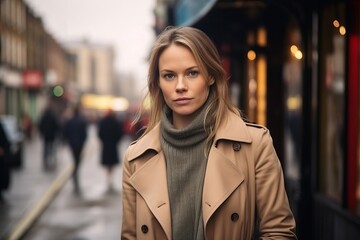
column 332, row 100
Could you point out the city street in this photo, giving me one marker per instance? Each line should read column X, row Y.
column 92, row 213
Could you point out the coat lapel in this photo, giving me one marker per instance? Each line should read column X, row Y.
column 221, row 179
column 222, row 176
column 150, row 181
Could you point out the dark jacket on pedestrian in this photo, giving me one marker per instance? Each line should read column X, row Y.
column 75, row 131
column 49, row 126
column 109, row 132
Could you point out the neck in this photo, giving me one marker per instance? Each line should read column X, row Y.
column 180, row 121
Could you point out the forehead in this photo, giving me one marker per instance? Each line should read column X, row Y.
column 176, row 55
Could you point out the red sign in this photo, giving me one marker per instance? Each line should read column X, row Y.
column 32, row 79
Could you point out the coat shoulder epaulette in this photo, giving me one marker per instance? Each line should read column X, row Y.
column 252, row 124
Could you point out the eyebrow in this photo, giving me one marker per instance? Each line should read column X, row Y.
column 190, row 68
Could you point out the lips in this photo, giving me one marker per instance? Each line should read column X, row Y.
column 182, row 100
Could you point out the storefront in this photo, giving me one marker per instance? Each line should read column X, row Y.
column 337, row 189
column 294, row 67
column 33, row 82
column 10, row 87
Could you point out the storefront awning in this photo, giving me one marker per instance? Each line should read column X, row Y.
column 32, row 79
column 188, row 12
column 10, row 77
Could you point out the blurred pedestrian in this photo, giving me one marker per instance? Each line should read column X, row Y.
column 200, row 171
column 49, row 128
column 5, row 174
column 27, row 126
column 75, row 134
column 109, row 132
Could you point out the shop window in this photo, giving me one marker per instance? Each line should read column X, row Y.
column 257, row 76
column 293, row 82
column 332, row 102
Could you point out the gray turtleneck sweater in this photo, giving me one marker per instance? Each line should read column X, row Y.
column 185, row 165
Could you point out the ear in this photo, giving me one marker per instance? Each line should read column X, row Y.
column 211, row 81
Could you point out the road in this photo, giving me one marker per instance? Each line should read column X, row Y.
column 94, row 213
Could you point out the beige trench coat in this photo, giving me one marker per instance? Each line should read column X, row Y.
column 243, row 187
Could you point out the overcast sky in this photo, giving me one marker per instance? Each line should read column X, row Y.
column 125, row 24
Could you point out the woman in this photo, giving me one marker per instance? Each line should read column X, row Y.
column 199, row 171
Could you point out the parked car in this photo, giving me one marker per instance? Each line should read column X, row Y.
column 16, row 139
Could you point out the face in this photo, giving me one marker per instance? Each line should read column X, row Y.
column 184, row 86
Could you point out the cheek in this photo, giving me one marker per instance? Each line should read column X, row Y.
column 203, row 90
column 164, row 91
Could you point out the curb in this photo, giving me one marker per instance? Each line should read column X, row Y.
column 25, row 223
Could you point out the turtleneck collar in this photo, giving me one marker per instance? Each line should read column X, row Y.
column 192, row 134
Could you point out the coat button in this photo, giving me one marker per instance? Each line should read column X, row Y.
column 236, row 146
column 234, row 217
column 144, row 228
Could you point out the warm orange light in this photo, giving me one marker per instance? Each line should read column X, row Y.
column 298, row 55
column 251, row 55
column 336, row 23
column 261, row 90
column 104, row 102
column 342, row 30
column 293, row 103
column 261, row 37
column 119, row 104
column 293, row 49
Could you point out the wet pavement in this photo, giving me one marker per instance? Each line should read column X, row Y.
column 56, row 210
column 31, row 189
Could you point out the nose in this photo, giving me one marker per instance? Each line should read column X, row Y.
column 181, row 84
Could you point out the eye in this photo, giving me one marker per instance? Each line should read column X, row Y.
column 168, row 76
column 193, row 74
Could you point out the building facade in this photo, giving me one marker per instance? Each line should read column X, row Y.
column 294, row 67
column 12, row 54
column 32, row 62
column 94, row 67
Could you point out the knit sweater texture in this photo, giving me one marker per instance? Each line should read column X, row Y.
column 185, row 165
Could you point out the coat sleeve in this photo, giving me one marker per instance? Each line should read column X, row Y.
column 128, row 230
column 276, row 220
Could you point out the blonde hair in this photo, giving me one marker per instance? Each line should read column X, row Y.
column 207, row 56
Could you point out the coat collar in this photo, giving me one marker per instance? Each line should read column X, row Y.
column 233, row 128
column 221, row 178
column 150, row 141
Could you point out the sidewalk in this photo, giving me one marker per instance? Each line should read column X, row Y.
column 32, row 189
column 93, row 213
